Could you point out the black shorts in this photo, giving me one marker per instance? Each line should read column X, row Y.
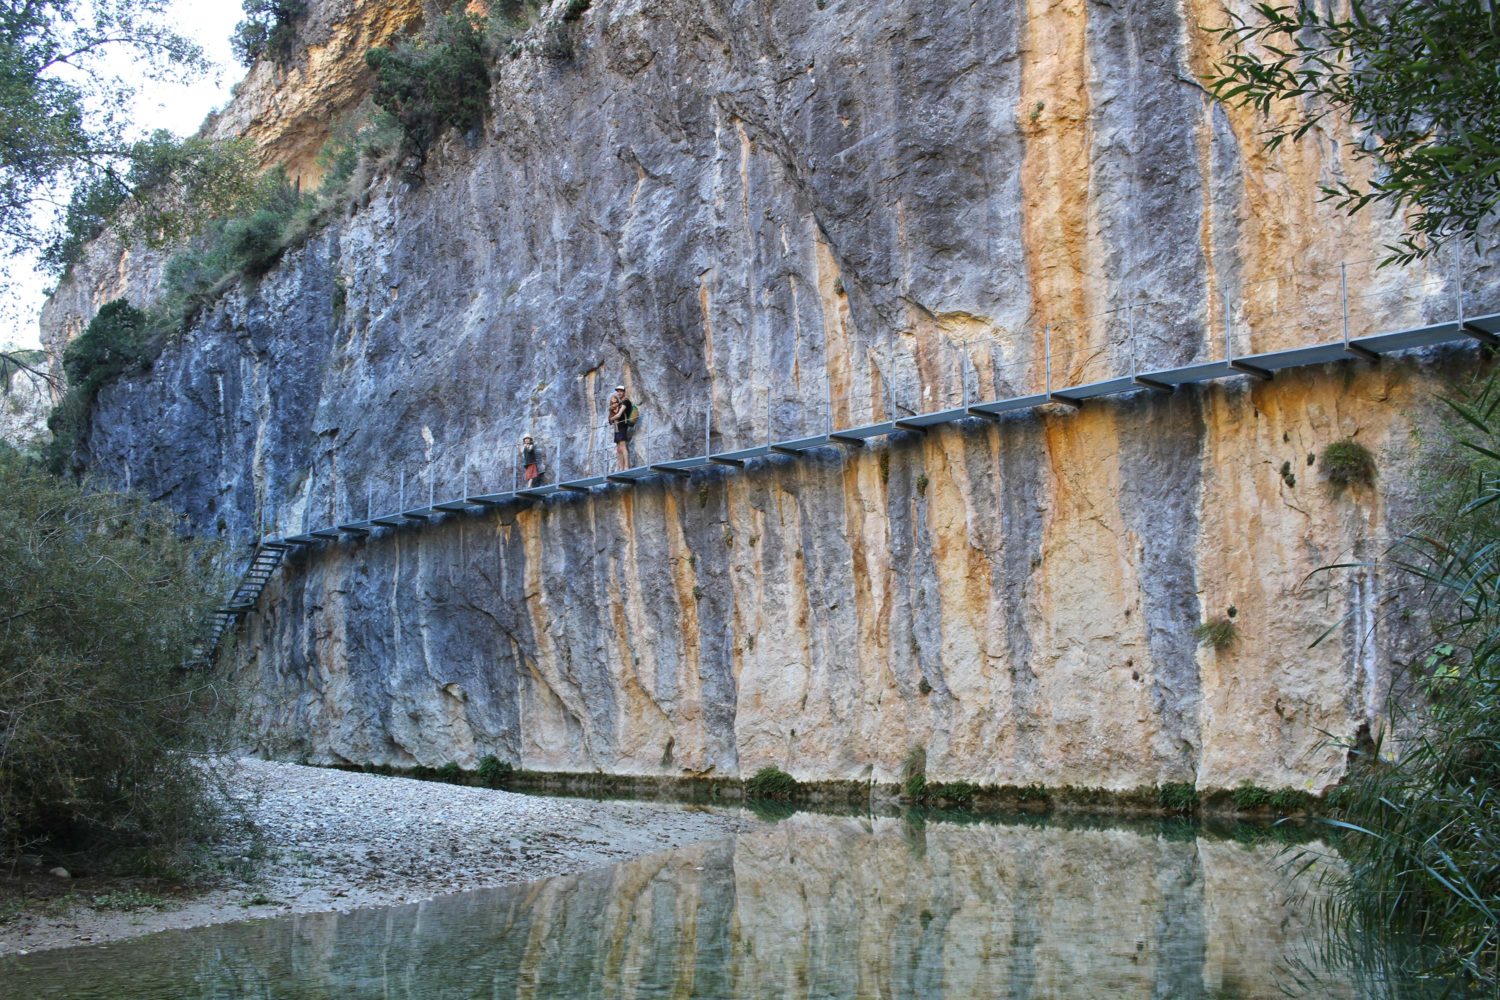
column 622, row 433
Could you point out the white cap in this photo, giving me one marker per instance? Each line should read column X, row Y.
column 619, row 388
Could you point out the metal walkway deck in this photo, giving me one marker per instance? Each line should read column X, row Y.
column 1484, row 329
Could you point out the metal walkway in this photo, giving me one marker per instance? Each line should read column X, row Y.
column 1483, row 329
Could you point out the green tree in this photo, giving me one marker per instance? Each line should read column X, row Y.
column 268, row 30
column 101, row 726
column 1420, row 812
column 62, row 115
column 1416, row 81
column 434, row 83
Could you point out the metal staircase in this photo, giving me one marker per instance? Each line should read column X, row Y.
column 252, row 583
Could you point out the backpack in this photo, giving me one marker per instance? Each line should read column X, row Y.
column 632, row 416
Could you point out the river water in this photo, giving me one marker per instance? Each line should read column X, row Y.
column 814, row 906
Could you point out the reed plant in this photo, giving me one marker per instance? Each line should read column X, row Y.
column 1419, row 817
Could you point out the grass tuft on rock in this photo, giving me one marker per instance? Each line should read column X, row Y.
column 1347, row 463
column 1220, row 633
column 771, row 783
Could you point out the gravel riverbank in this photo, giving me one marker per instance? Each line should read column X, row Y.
column 335, row 840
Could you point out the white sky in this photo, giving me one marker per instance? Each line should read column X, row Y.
column 180, row 108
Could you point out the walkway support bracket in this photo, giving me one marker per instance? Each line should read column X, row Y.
column 1154, row 385
column 732, row 463
column 1254, row 371
column 669, row 471
column 1067, row 401
column 1478, row 333
column 1360, row 350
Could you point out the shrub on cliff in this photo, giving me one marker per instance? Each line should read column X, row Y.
column 434, row 83
column 1422, row 807
column 268, row 30
column 771, row 783
column 99, row 723
column 116, row 340
column 1347, row 463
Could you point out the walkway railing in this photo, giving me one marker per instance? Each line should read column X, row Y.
column 1352, row 310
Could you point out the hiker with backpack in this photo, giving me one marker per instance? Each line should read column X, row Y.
column 531, row 468
column 623, row 415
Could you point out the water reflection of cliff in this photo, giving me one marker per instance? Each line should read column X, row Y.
column 814, row 907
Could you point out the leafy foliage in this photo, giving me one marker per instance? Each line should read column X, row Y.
column 103, row 602
column 177, row 184
column 268, row 30
column 117, row 339
column 1220, row 633
column 1177, row 796
column 13, row 363
column 494, row 772
column 94, row 201
column 1422, row 808
column 63, row 116
column 1346, row 463
column 434, row 83
column 914, row 773
column 1415, row 79
column 771, row 783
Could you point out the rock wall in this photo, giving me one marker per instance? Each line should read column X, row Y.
column 762, row 216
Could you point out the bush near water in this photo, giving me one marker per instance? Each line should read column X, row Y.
column 101, row 604
column 1420, row 815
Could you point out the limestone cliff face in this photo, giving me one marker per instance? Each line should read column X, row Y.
column 288, row 108
column 755, row 214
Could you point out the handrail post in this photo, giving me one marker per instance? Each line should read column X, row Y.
column 1228, row 327
column 768, row 416
column 1130, row 335
column 708, row 424
column 515, row 469
column 1047, row 351
column 1458, row 282
column 369, row 501
column 401, row 497
column 830, row 404
column 431, row 477
column 1344, row 298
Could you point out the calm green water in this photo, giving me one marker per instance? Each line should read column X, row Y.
column 816, row 906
